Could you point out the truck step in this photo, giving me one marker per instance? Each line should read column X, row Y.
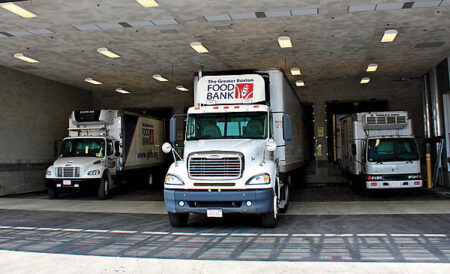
column 282, row 204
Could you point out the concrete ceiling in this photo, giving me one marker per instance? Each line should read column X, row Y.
column 334, row 43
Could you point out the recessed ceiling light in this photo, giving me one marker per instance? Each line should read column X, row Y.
column 108, row 53
column 17, row 10
column 92, row 81
column 121, row 90
column 296, row 71
column 305, row 12
column 25, row 58
column 299, row 83
column 159, row 78
column 372, row 67
column 181, row 88
column 148, row 3
column 365, row 80
column 389, row 36
column 198, row 47
column 243, row 16
column 285, row 42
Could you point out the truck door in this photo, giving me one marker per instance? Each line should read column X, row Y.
column 111, row 158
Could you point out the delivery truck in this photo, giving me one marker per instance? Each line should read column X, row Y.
column 245, row 136
column 104, row 147
column 379, row 151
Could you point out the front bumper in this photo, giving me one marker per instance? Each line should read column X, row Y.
column 232, row 201
column 72, row 184
column 394, row 184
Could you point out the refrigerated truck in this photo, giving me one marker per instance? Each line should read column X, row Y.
column 379, row 151
column 245, row 136
column 103, row 147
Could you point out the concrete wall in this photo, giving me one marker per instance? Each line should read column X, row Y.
column 400, row 95
column 34, row 113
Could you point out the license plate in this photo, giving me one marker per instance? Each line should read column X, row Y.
column 67, row 182
column 214, row 213
column 396, row 184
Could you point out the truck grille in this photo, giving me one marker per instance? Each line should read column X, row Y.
column 68, row 172
column 223, row 166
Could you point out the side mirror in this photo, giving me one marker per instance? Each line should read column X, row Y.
column 271, row 146
column 166, row 148
column 354, row 149
column 173, row 130
column 287, row 127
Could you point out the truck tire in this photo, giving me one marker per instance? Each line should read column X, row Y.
column 53, row 193
column 178, row 219
column 270, row 219
column 103, row 188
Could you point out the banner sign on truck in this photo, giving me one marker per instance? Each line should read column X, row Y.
column 230, row 89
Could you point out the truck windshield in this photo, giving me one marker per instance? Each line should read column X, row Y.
column 234, row 125
column 389, row 150
column 83, row 148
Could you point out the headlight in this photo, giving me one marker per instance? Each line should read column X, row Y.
column 173, row 180
column 49, row 172
column 94, row 172
column 262, row 179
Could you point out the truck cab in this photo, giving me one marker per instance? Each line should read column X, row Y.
column 391, row 162
column 84, row 162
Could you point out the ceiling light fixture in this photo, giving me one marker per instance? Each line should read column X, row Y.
column 159, row 78
column 108, row 53
column 365, row 80
column 17, row 10
column 25, row 58
column 148, row 3
column 372, row 67
column 285, row 42
column 181, row 88
column 198, row 47
column 121, row 90
column 92, row 81
column 299, row 83
column 296, row 71
column 389, row 36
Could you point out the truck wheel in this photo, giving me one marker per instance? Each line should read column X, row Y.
column 178, row 219
column 103, row 188
column 270, row 220
column 53, row 193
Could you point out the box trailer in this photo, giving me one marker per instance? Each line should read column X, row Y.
column 245, row 136
column 379, row 151
column 103, row 147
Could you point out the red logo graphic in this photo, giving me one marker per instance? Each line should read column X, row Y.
column 244, row 91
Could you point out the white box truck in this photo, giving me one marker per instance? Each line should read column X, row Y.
column 103, row 147
column 245, row 136
column 379, row 151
